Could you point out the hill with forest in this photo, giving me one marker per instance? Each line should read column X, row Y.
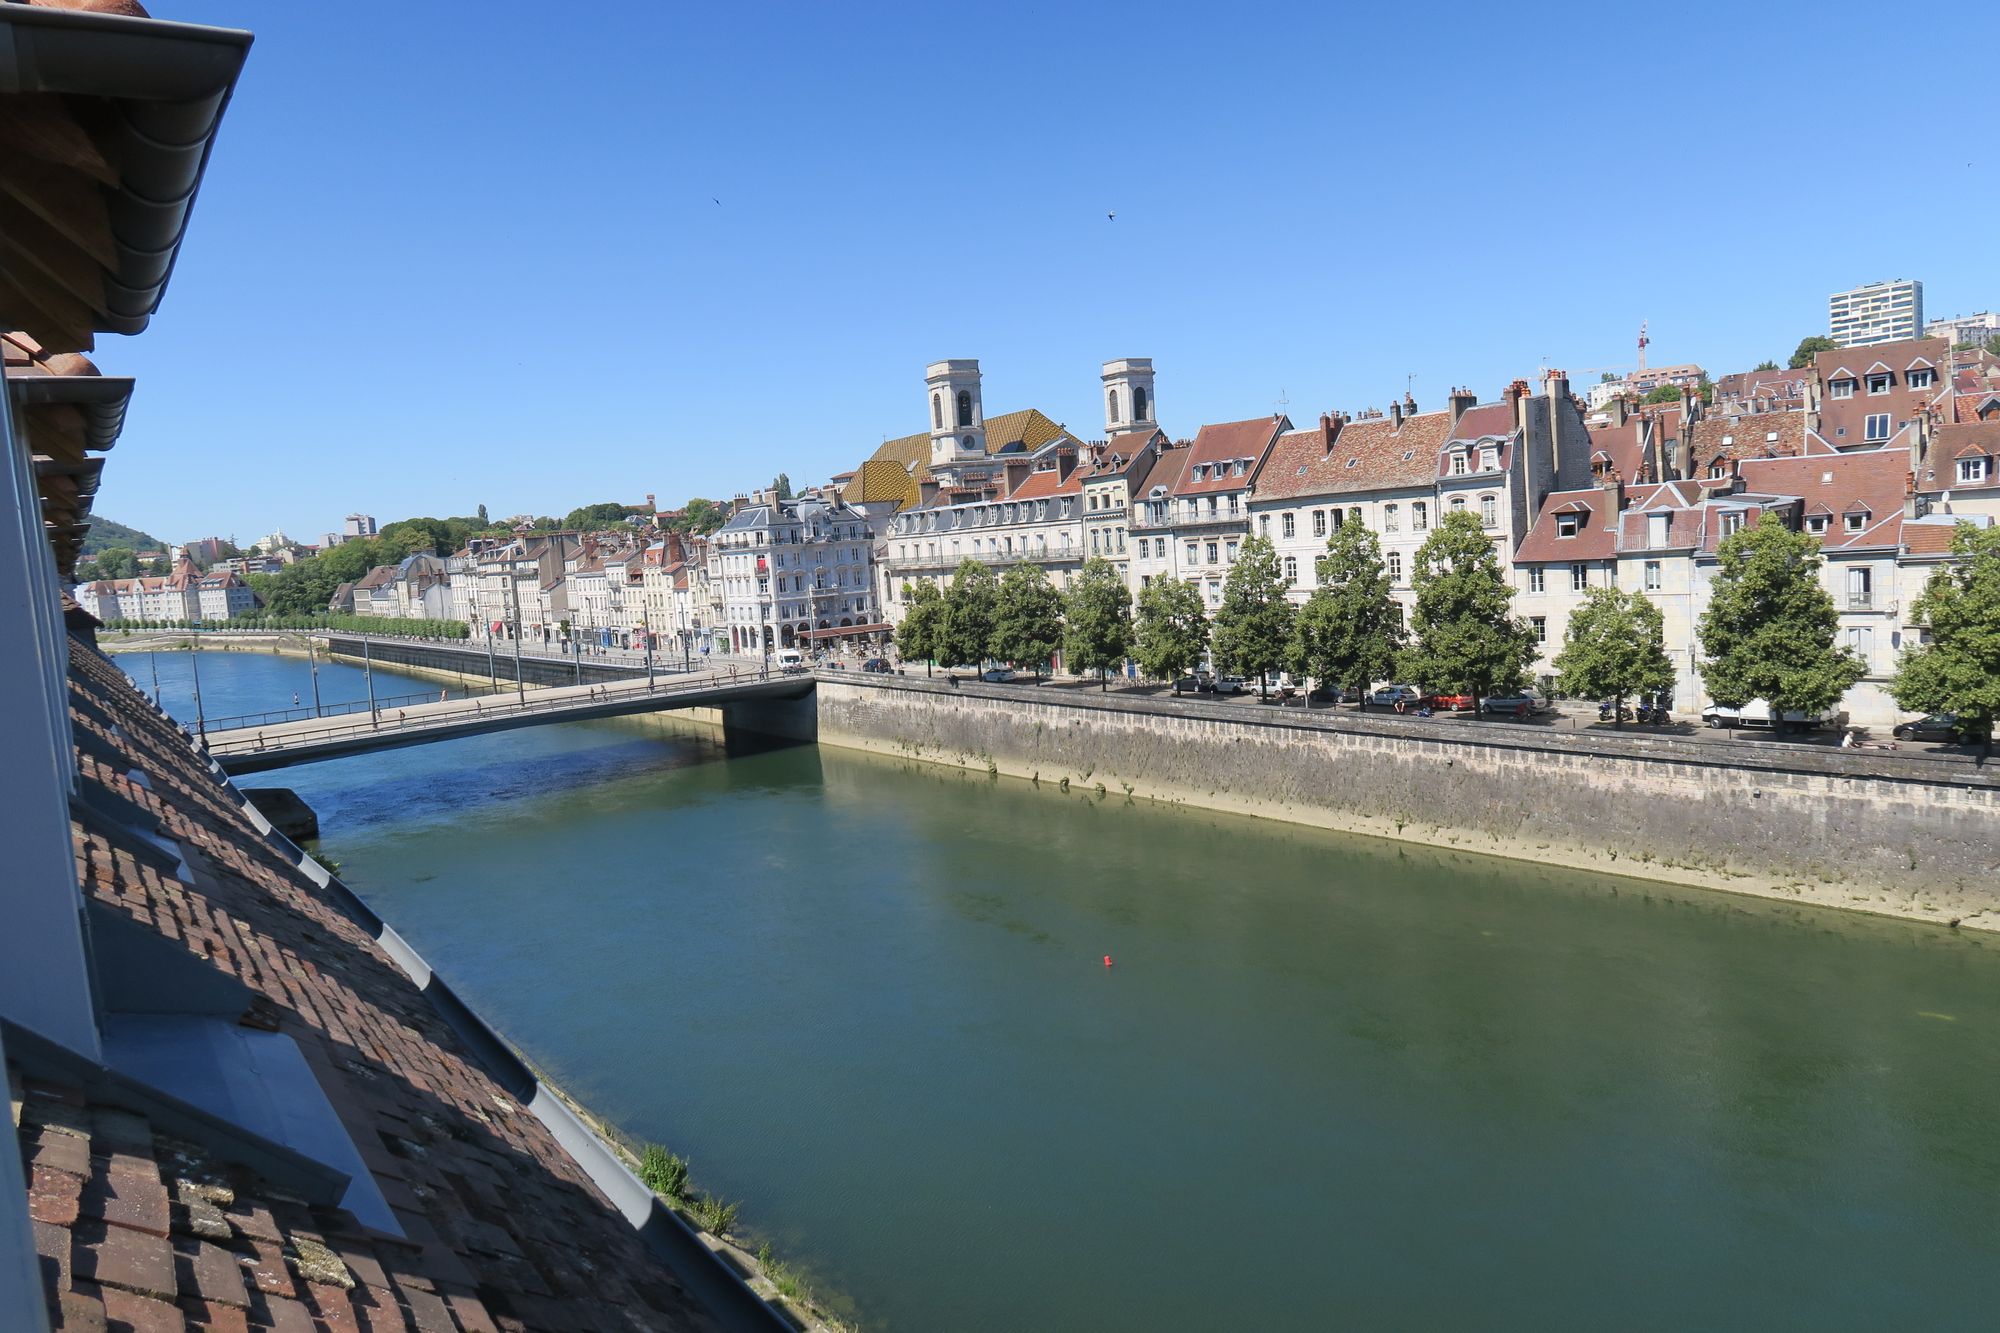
column 105, row 534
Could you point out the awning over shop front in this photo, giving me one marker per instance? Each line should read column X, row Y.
column 845, row 631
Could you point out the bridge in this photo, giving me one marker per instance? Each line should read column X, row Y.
column 394, row 724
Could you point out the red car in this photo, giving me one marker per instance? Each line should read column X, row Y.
column 1452, row 703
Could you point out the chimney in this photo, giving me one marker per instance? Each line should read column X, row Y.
column 927, row 490
column 1556, row 384
column 1462, row 401
column 1065, row 464
column 1017, row 470
column 1395, row 415
column 1517, row 398
column 1614, row 489
column 1409, row 404
column 1329, row 431
column 1618, row 409
column 1909, row 497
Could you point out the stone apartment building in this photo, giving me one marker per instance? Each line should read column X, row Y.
column 1195, row 511
column 790, row 573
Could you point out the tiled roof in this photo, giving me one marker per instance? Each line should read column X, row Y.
column 1874, row 481
column 1045, row 482
column 1027, row 427
column 1762, row 435
column 1226, row 443
column 1371, row 454
column 1596, row 536
column 883, row 481
column 501, row 1227
column 1965, row 439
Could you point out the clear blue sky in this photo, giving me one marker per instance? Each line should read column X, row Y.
column 449, row 254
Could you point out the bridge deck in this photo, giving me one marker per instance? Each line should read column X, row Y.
column 257, row 749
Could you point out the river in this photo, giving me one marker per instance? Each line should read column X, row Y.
column 1327, row 1082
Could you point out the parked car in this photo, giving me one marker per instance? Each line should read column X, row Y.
column 1933, row 727
column 1518, row 703
column 877, row 665
column 1230, row 685
column 997, row 675
column 1757, row 713
column 1191, row 685
column 1391, row 695
column 1452, row 703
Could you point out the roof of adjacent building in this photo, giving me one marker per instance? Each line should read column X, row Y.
column 1872, row 482
column 1759, row 435
column 1027, row 427
column 884, row 481
column 1856, row 362
column 501, row 1228
column 1218, row 449
column 1374, row 453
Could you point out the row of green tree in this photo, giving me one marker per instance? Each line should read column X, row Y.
column 119, row 562
column 1770, row 630
column 402, row 629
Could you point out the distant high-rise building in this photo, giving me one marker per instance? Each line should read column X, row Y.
column 359, row 525
column 1975, row 329
column 1880, row 312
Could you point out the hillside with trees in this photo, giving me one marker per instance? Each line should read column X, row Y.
column 105, row 534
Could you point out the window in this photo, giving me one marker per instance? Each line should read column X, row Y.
column 1395, row 566
column 1718, row 470
column 1732, row 524
column 1457, row 503
column 1229, row 552
column 1212, row 551
column 1191, row 552
column 1566, row 524
column 1878, row 384
column 1973, row 469
column 1842, row 388
column 1656, row 529
column 1139, row 403
column 1860, row 588
column 1489, row 511
column 1112, row 399
column 1857, row 520
column 965, row 413
column 1420, row 516
column 1264, row 525
column 1534, row 578
column 1579, row 577
column 1458, row 462
column 1291, row 570
column 1319, row 524
column 1878, row 426
column 1921, row 378
column 1354, row 514
column 1652, row 576
column 1489, row 459
column 1861, row 638
column 1816, row 523
column 1093, row 541
column 1390, row 520
column 1539, row 626
column 937, row 411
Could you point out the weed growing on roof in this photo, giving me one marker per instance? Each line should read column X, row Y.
column 663, row 1172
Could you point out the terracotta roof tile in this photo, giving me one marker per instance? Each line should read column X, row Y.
column 1218, row 448
column 1370, row 454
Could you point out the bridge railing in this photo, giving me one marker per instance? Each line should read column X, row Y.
column 483, row 709
column 272, row 716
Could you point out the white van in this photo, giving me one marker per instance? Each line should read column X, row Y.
column 791, row 659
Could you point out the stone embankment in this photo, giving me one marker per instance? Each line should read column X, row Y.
column 1905, row 835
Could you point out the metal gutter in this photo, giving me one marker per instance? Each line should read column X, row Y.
column 169, row 84
column 103, row 398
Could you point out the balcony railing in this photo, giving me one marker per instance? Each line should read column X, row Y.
column 925, row 563
column 1196, row 524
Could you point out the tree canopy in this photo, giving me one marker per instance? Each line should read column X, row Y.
column 919, row 637
column 1769, row 629
column 1027, row 619
column 1171, row 630
column 1253, row 626
column 1665, row 393
column 1809, row 348
column 1615, row 647
column 1766, row 364
column 782, row 484
column 1958, row 671
column 1350, row 629
column 1097, row 635
column 587, row 518
column 970, row 605
column 1464, row 638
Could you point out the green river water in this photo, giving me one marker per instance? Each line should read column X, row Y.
column 1328, row 1083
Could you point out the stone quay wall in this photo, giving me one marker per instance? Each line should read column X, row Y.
column 1905, row 835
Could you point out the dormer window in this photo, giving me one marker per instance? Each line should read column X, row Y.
column 1974, row 469
column 1236, row 468
column 1489, row 459
column 1879, row 383
column 1458, row 462
column 1816, row 523
column 1568, row 524
column 1923, row 377
column 1717, row 470
column 1842, row 388
column 1857, row 520
column 1728, row 440
column 1732, row 524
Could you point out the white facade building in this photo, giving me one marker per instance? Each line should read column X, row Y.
column 1879, row 312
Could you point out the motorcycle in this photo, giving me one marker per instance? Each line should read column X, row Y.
column 1604, row 712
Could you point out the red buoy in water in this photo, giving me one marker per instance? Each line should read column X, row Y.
column 1107, row 960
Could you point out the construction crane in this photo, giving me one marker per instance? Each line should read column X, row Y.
column 1643, row 341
